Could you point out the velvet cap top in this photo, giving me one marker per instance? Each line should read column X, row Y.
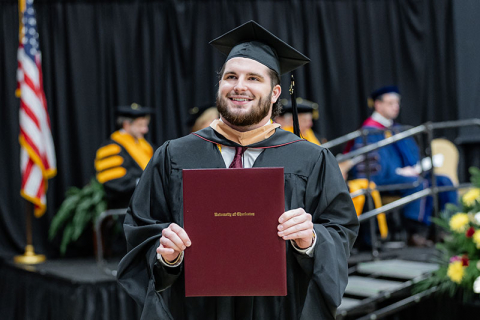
column 383, row 90
column 134, row 111
column 251, row 40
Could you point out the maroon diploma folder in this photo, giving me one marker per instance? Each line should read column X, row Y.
column 231, row 217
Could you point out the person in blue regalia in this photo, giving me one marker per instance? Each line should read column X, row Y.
column 399, row 163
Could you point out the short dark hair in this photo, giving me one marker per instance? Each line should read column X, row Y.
column 277, row 106
column 274, row 80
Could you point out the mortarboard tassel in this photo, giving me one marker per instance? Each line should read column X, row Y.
column 293, row 97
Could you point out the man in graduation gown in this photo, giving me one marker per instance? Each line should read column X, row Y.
column 398, row 163
column 121, row 159
column 319, row 222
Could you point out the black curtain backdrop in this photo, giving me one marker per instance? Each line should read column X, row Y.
column 467, row 48
column 100, row 54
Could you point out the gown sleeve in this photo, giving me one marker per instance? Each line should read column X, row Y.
column 118, row 173
column 336, row 225
column 148, row 214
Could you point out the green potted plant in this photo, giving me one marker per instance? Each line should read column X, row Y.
column 79, row 210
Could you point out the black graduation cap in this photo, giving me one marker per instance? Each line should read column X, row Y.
column 134, row 111
column 381, row 91
column 303, row 106
column 251, row 40
column 195, row 113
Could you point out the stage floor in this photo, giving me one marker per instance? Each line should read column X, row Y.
column 63, row 289
column 77, row 289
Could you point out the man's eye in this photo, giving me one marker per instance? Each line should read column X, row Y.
column 230, row 77
column 254, row 79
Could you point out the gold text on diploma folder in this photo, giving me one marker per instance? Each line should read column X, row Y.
column 234, row 214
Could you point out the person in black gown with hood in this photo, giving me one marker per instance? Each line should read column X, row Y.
column 319, row 223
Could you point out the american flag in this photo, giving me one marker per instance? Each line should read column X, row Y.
column 37, row 154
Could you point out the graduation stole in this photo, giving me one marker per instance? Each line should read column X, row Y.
column 244, row 138
column 359, row 202
column 140, row 150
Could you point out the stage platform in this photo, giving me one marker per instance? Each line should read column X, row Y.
column 64, row 289
column 77, row 289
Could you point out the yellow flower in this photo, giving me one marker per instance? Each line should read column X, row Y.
column 476, row 238
column 459, row 222
column 470, row 197
column 456, row 271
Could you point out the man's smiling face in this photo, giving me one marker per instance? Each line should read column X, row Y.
column 245, row 93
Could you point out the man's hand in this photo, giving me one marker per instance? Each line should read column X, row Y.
column 173, row 241
column 296, row 225
column 407, row 171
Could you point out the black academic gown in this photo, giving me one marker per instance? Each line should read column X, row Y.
column 313, row 181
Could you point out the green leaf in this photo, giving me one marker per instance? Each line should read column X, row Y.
column 83, row 216
column 67, row 237
column 450, row 209
column 475, row 176
column 72, row 191
column 441, row 222
column 63, row 215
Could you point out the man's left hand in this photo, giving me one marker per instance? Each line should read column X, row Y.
column 296, row 225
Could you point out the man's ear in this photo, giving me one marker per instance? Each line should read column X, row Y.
column 277, row 90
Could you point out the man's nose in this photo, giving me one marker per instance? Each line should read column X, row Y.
column 240, row 86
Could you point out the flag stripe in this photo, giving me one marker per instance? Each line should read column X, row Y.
column 31, row 99
column 30, row 143
column 33, row 134
column 33, row 182
column 26, row 172
column 41, row 190
column 29, row 113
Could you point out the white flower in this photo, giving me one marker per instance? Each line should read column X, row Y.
column 476, row 285
column 476, row 217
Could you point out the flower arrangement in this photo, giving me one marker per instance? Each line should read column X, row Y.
column 459, row 262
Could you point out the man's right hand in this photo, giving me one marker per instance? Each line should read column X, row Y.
column 173, row 241
column 407, row 171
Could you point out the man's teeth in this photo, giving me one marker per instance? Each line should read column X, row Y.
column 236, row 99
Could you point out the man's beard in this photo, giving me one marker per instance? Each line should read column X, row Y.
column 257, row 113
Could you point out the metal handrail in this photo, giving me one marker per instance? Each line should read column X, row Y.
column 382, row 143
column 410, row 198
column 437, row 125
column 433, row 191
column 355, row 134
